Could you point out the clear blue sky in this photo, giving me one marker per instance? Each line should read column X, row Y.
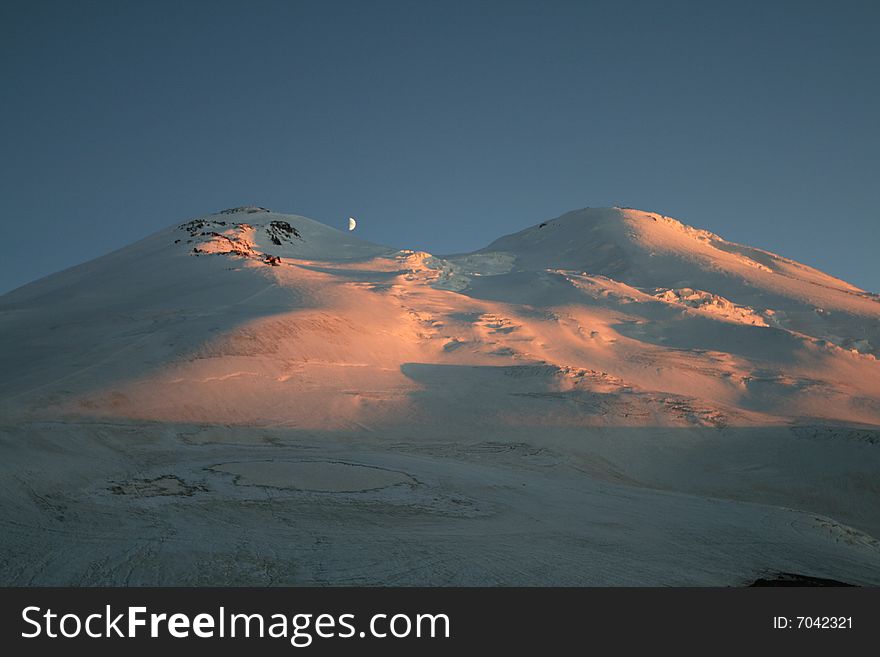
column 440, row 125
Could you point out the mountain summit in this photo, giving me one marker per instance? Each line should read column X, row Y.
column 646, row 248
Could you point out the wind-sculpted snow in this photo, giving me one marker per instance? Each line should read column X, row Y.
column 607, row 347
column 711, row 304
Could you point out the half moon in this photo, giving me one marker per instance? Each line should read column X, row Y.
column 352, row 223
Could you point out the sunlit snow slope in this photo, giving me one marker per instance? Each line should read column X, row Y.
column 599, row 317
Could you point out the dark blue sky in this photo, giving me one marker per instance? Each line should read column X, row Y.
column 440, row 125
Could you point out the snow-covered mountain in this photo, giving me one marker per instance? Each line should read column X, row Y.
column 225, row 317
column 607, row 347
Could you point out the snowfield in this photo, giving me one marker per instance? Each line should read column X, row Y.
column 610, row 397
